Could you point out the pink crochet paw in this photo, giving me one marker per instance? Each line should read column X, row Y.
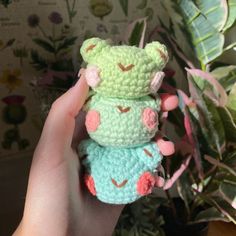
column 156, row 81
column 92, row 76
column 168, row 101
column 150, row 118
column 159, row 181
column 167, row 148
column 89, row 182
column 92, row 120
column 145, row 183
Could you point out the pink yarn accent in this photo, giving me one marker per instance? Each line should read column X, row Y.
column 167, row 148
column 150, row 118
column 157, row 81
column 145, row 183
column 169, row 102
column 159, row 182
column 92, row 120
column 90, row 184
column 92, row 76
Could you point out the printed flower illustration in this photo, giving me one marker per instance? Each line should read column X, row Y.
column 11, row 79
column 33, row 20
column 55, row 18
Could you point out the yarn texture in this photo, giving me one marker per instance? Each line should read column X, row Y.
column 121, row 159
column 119, row 175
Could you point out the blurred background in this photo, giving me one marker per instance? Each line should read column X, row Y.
column 39, row 60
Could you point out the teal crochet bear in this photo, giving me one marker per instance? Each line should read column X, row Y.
column 121, row 158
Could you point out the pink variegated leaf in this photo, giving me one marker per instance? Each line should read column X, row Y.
column 210, row 79
column 169, row 183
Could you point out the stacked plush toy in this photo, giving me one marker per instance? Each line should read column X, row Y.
column 121, row 158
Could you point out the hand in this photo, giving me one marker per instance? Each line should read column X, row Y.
column 57, row 204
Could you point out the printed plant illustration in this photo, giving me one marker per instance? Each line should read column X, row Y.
column 100, row 8
column 14, row 113
column 57, row 44
column 11, row 79
column 71, row 9
column 5, row 3
column 125, row 6
column 21, row 53
column 4, row 45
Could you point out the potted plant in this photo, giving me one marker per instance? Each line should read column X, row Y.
column 203, row 169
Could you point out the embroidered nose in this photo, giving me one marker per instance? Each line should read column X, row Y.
column 125, row 68
column 123, row 109
column 120, row 185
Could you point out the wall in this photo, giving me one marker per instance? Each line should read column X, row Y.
column 40, row 40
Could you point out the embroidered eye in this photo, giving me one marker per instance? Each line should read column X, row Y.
column 125, row 68
column 90, row 47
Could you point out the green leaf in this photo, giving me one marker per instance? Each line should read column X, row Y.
column 206, row 40
column 135, row 32
column 124, row 5
column 44, row 44
column 216, row 122
column 232, row 98
column 231, row 14
column 210, row 214
column 228, row 122
column 228, row 192
column 226, row 75
column 216, row 11
column 38, row 62
column 68, row 42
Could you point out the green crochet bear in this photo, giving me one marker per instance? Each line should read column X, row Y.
column 122, row 119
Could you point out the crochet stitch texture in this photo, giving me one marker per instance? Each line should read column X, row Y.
column 120, row 159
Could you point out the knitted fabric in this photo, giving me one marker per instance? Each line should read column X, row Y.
column 124, row 71
column 122, row 118
column 120, row 122
column 119, row 175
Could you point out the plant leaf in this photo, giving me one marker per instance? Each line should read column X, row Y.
column 210, row 214
column 215, row 162
column 226, row 75
column 228, row 122
column 124, row 5
column 231, row 15
column 66, row 43
column 44, row 44
column 136, row 32
column 232, row 98
column 228, row 192
column 38, row 62
column 200, row 76
column 216, row 11
column 207, row 41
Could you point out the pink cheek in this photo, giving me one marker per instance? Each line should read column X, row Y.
column 92, row 76
column 92, row 120
column 89, row 182
column 150, row 118
column 145, row 183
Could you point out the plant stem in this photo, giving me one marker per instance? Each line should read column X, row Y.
column 53, row 41
column 42, row 31
column 171, row 202
column 68, row 11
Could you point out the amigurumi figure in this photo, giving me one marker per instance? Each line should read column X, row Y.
column 121, row 158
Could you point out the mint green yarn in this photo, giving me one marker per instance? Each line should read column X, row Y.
column 107, row 163
column 118, row 129
column 134, row 83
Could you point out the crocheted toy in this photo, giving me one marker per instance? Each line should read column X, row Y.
column 121, row 159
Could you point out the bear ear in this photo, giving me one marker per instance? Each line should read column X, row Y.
column 158, row 53
column 91, row 47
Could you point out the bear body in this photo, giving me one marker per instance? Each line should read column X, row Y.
column 121, row 159
column 120, row 175
column 121, row 122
